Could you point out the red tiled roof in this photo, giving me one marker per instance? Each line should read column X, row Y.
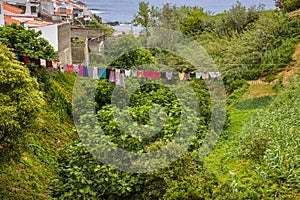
column 11, row 8
column 9, row 20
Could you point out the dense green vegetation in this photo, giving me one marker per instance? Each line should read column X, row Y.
column 257, row 156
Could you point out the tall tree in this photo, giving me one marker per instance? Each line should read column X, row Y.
column 26, row 42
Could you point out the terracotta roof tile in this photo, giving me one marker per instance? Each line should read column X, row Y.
column 11, row 8
column 9, row 20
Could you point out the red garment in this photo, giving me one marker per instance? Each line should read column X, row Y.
column 140, row 74
column 70, row 68
column 152, row 75
column 157, row 75
column 146, row 74
column 26, row 59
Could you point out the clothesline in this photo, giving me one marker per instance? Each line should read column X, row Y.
column 115, row 74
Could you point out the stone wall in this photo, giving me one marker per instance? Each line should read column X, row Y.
column 93, row 43
column 64, row 43
column 80, row 54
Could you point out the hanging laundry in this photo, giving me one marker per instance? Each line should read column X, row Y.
column 31, row 59
column 21, row 58
column 157, row 75
column 169, row 75
column 152, row 74
column 117, row 76
column 48, row 63
column 127, row 73
column 192, row 75
column 205, row 75
column 54, row 64
column 198, row 75
column 134, row 73
column 99, row 72
column 90, row 71
column 37, row 61
column 75, row 68
column 80, row 69
column 187, row 76
column 69, row 68
column 146, row 74
column 26, row 59
column 122, row 81
column 140, row 73
column 85, row 71
column 103, row 72
column 43, row 62
column 112, row 75
column 181, row 76
column 17, row 56
column 175, row 75
column 95, row 73
column 218, row 74
column 163, row 75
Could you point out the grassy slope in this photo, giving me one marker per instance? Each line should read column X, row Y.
column 258, row 96
column 29, row 177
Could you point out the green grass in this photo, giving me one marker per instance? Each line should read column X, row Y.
column 29, row 177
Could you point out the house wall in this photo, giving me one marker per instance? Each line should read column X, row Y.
column 50, row 34
column 58, row 36
column 1, row 15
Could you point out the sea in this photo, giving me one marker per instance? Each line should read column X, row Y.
column 123, row 11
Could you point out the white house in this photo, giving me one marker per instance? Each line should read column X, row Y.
column 1, row 15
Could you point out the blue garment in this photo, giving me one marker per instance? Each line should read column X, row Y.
column 198, row 75
column 103, row 72
column 75, row 68
column 85, row 71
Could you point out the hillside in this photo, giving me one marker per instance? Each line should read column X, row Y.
column 256, row 157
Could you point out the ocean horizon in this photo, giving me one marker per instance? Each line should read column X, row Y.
column 123, row 11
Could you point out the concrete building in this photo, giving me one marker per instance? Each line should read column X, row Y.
column 85, row 41
column 59, row 36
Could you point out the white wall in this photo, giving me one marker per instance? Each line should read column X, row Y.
column 1, row 14
column 50, row 33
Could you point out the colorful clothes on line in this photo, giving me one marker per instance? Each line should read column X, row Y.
column 103, row 72
column 134, row 73
column 99, row 72
column 146, row 74
column 48, row 63
column 80, row 70
column 181, row 76
column 198, row 75
column 43, row 62
column 152, row 74
column 70, row 68
column 140, row 73
column 205, row 75
column 117, row 76
column 112, row 75
column 95, row 73
column 127, row 73
column 76, row 68
column 121, row 78
column 187, row 76
column 37, row 61
column 85, row 71
column 26, row 59
column 169, row 75
column 157, row 75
